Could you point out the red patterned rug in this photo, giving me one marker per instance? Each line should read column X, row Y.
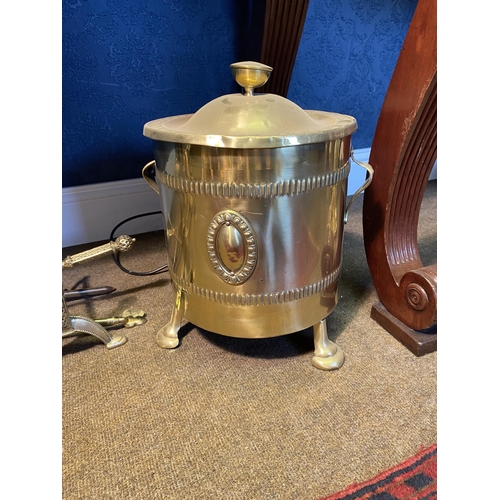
column 413, row 479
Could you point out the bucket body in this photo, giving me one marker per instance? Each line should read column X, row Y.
column 254, row 236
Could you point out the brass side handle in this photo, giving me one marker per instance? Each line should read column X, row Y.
column 148, row 174
column 368, row 181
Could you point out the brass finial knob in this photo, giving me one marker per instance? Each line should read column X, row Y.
column 250, row 75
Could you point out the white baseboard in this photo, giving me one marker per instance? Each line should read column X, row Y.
column 90, row 212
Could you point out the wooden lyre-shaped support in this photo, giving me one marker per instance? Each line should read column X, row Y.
column 281, row 23
column 404, row 150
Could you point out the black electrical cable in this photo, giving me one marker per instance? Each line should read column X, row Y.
column 116, row 258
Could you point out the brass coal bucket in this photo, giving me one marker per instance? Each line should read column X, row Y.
column 253, row 193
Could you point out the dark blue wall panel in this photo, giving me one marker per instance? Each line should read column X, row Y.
column 346, row 58
column 126, row 62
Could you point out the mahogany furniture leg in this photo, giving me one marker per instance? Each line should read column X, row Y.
column 403, row 152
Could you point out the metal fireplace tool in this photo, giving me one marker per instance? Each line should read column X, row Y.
column 76, row 325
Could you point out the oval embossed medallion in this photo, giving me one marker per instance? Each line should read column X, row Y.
column 231, row 247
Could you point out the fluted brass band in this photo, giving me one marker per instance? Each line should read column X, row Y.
column 288, row 187
column 258, row 299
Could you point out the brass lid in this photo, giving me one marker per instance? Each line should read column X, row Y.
column 251, row 120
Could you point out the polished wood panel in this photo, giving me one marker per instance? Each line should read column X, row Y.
column 403, row 152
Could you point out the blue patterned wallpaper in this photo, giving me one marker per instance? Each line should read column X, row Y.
column 126, row 62
column 347, row 56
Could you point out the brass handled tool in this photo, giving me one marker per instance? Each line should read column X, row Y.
column 129, row 319
column 121, row 244
column 76, row 325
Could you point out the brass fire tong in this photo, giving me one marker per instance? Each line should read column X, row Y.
column 74, row 325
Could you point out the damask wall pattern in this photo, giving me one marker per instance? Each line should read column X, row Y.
column 126, row 62
column 346, row 58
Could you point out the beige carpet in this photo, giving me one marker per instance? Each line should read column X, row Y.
column 227, row 418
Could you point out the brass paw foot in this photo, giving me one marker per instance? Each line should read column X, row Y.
column 327, row 354
column 167, row 337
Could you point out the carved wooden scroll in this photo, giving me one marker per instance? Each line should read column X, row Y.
column 403, row 152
